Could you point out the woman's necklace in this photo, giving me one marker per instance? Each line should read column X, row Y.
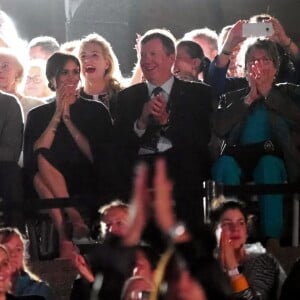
column 103, row 97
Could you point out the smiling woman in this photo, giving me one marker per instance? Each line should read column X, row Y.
column 258, row 126
column 22, row 281
column 100, row 70
column 63, row 140
column 190, row 63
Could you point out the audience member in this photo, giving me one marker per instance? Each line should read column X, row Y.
column 70, row 47
column 12, row 71
column 206, row 38
column 11, row 138
column 42, row 47
column 165, row 116
column 234, row 68
column 5, row 273
column 288, row 71
column 114, row 222
column 100, row 70
column 102, row 80
column 11, row 125
column 190, row 61
column 253, row 273
column 23, row 281
column 62, row 142
column 113, row 219
column 36, row 84
column 219, row 66
column 259, row 125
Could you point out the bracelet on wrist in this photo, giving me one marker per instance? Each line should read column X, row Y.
column 239, row 284
column 225, row 52
column 177, row 230
column 233, row 272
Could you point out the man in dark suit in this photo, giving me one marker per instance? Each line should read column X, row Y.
column 166, row 116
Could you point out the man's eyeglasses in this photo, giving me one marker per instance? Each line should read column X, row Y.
column 34, row 79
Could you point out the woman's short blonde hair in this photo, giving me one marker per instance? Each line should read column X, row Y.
column 113, row 76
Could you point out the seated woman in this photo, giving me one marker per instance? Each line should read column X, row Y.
column 259, row 126
column 102, row 80
column 287, row 49
column 63, row 141
column 5, row 274
column 253, row 274
column 24, row 282
column 190, row 61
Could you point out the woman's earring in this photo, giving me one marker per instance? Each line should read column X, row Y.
column 51, row 86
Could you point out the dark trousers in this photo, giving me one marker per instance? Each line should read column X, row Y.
column 11, row 194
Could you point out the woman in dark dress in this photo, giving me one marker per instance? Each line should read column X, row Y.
column 63, row 141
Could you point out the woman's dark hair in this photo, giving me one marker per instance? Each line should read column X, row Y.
column 194, row 50
column 55, row 65
column 150, row 253
column 220, row 207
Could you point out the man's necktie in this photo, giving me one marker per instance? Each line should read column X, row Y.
column 153, row 130
column 156, row 91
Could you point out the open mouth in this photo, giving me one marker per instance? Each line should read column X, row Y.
column 90, row 69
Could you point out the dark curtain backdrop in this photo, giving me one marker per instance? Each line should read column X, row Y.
column 120, row 20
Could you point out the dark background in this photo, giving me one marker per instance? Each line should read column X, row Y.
column 120, row 20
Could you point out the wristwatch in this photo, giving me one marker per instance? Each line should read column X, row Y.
column 177, row 230
column 233, row 272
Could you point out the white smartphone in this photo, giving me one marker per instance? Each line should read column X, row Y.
column 257, row 29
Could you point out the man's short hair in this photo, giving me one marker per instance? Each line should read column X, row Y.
column 114, row 204
column 164, row 35
column 49, row 44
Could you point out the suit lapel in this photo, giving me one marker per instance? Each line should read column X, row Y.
column 176, row 93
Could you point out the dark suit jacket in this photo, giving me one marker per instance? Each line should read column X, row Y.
column 189, row 122
column 190, row 112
